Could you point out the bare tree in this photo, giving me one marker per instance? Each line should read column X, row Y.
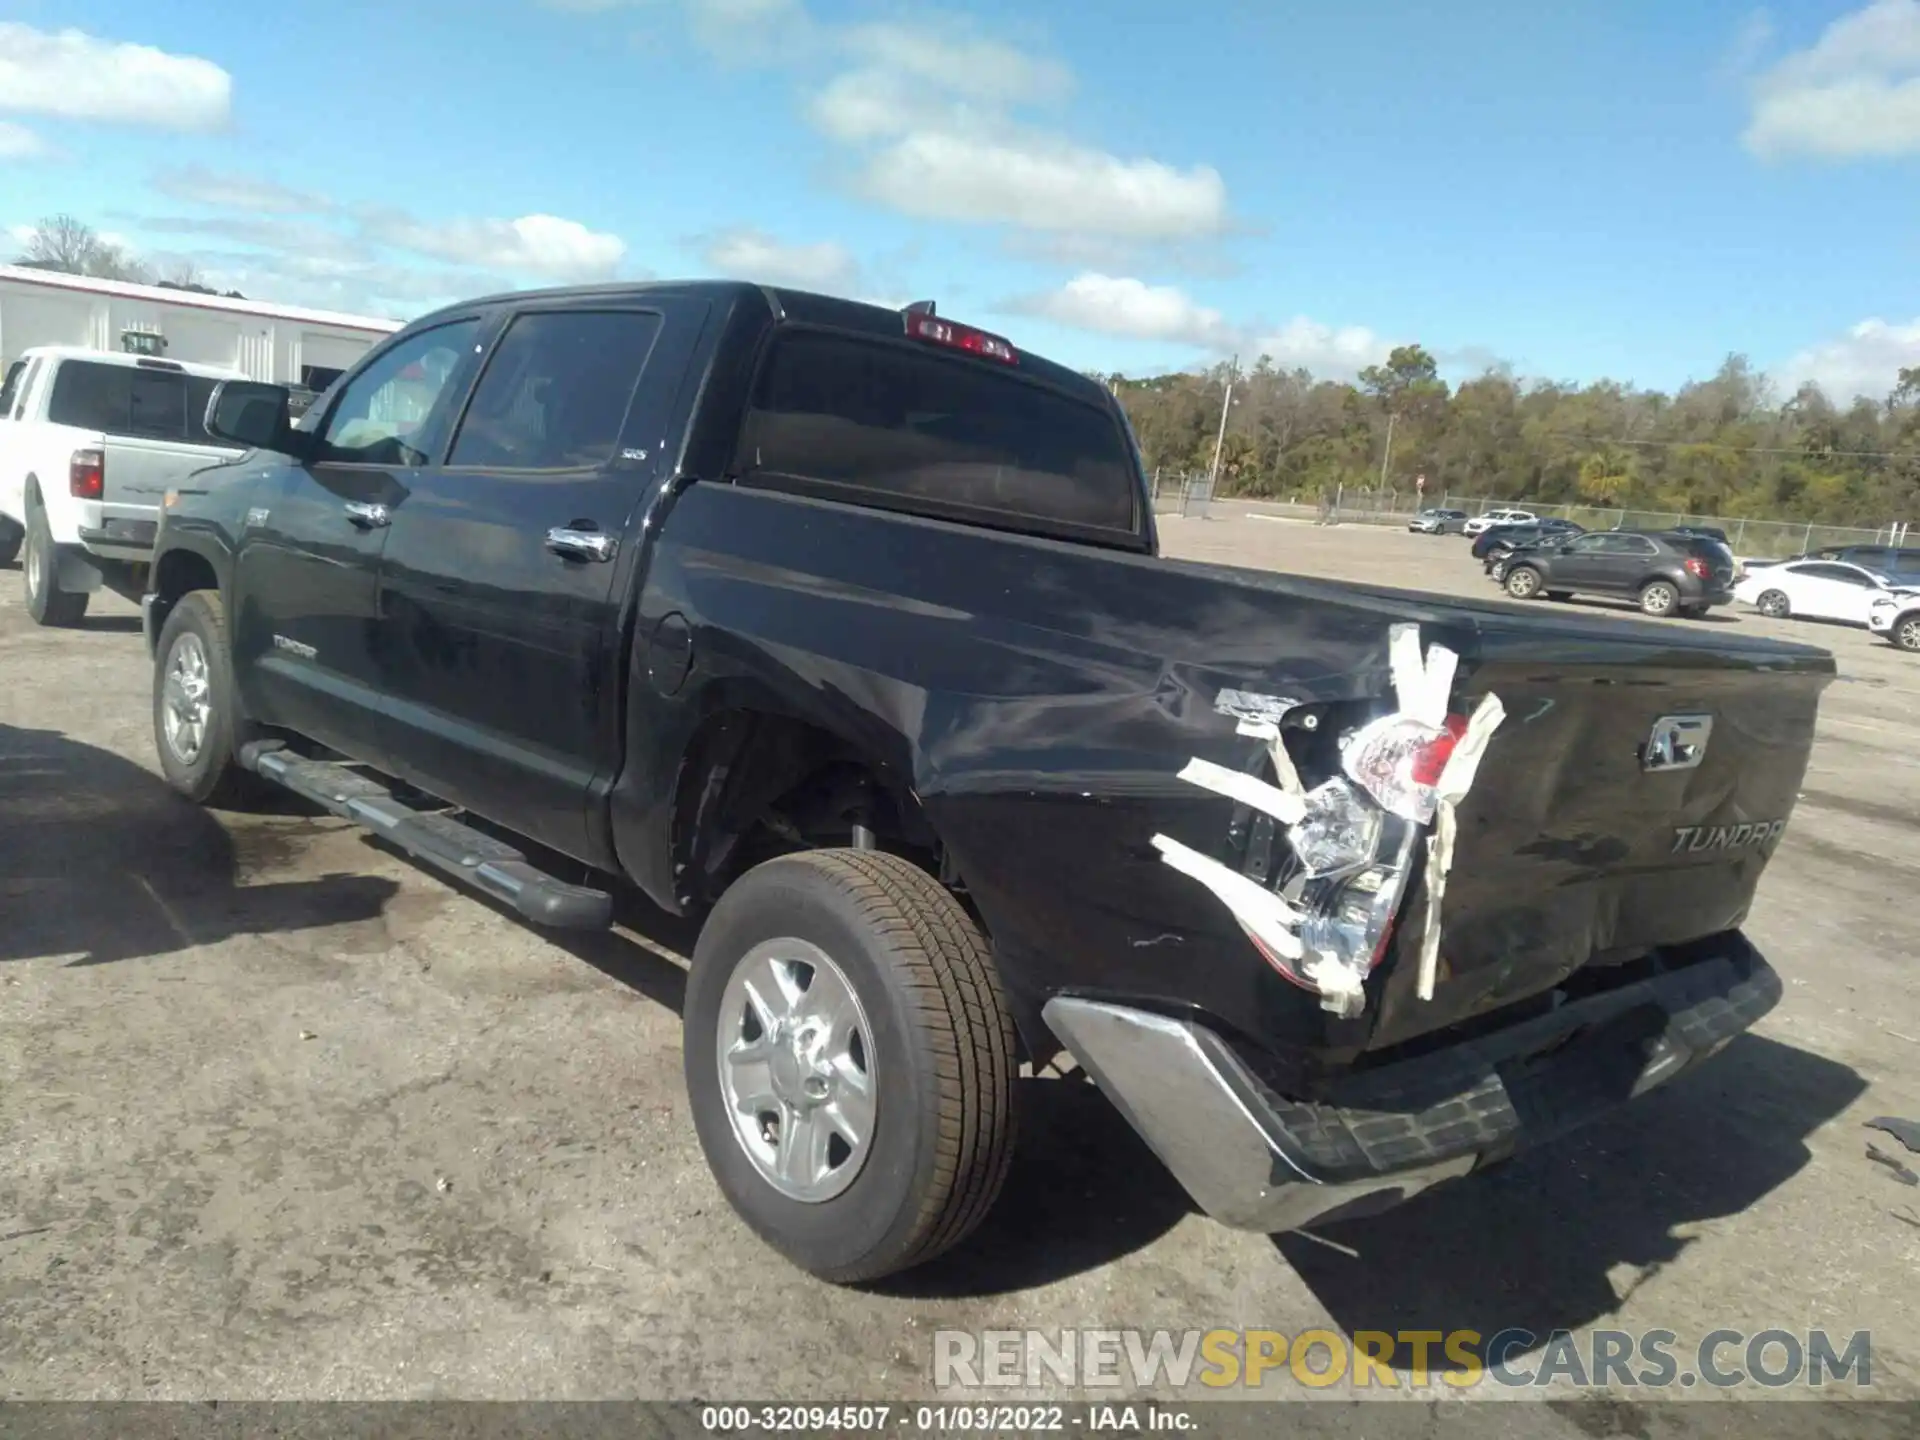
column 75, row 248
column 62, row 243
column 183, row 274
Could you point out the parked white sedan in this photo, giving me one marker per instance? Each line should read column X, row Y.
column 1814, row 590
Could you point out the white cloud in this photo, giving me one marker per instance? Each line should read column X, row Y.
column 1121, row 305
column 1039, row 183
column 1329, row 351
column 934, row 113
column 76, row 76
column 988, row 71
column 750, row 254
column 1867, row 360
column 533, row 244
column 1132, row 309
column 19, row 143
column 238, row 192
column 1855, row 92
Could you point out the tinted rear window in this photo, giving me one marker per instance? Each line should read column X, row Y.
column 855, row 417
column 126, row 400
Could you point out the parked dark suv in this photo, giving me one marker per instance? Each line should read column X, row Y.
column 1492, row 547
column 1664, row 572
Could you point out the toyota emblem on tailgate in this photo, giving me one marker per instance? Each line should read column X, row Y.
column 1678, row 742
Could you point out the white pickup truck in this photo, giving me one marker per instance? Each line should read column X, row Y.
column 90, row 441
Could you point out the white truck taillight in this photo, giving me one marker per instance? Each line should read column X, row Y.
column 87, row 474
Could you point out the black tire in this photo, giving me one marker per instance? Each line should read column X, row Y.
column 12, row 537
column 47, row 603
column 1559, row 595
column 210, row 775
column 1906, row 632
column 941, row 1059
column 1523, row 582
column 1659, row 597
column 1774, row 604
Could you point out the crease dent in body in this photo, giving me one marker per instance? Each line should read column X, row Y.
column 1422, row 682
column 1456, row 779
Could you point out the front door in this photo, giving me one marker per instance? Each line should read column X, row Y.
column 504, row 568
column 1582, row 566
column 309, row 551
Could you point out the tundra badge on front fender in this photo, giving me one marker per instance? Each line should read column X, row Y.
column 1678, row 742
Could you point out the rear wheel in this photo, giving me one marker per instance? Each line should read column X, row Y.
column 197, row 726
column 850, row 1062
column 1659, row 597
column 47, row 603
column 1523, row 582
column 1907, row 633
column 1774, row 605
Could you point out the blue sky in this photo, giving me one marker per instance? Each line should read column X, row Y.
column 1620, row 188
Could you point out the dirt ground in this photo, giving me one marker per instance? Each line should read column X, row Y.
column 282, row 1116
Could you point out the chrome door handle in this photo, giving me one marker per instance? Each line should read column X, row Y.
column 580, row 544
column 367, row 517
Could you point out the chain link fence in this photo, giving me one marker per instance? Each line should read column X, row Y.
column 1192, row 494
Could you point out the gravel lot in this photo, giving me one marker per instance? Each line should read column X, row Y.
column 282, row 1116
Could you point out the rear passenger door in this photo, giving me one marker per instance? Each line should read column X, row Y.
column 504, row 567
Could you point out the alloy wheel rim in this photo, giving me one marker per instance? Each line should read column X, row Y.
column 1659, row 599
column 186, row 699
column 795, row 1055
column 1910, row 635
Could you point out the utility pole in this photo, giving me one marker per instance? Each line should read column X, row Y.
column 1219, row 440
column 1387, row 458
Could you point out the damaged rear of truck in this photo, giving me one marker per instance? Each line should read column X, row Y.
column 1338, row 892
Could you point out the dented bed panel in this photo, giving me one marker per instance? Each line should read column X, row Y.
column 1055, row 711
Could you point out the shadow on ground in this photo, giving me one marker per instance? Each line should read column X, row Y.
column 100, row 861
column 1532, row 1245
column 1083, row 1192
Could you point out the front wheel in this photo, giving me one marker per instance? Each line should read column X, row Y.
column 1523, row 582
column 1907, row 633
column 850, row 1062
column 1659, row 597
column 196, row 715
column 1774, row 605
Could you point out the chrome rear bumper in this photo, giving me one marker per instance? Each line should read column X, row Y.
column 1257, row 1161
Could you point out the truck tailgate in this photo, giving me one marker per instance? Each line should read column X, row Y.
column 1629, row 802
column 139, row 470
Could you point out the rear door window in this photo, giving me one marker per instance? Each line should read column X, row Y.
column 846, row 417
column 555, row 392
column 132, row 401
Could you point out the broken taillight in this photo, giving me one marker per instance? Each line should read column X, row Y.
column 87, row 474
column 1696, row 567
column 1399, row 760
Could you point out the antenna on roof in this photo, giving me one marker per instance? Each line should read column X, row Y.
column 919, row 307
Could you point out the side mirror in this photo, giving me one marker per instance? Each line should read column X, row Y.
column 255, row 415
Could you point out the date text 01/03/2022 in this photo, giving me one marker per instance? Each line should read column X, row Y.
column 960, row 1419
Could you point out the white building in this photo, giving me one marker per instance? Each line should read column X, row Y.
column 279, row 343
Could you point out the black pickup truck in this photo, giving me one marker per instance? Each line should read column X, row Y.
column 844, row 629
